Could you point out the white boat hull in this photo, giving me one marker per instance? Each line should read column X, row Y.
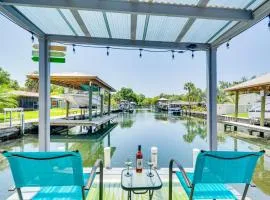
column 81, row 100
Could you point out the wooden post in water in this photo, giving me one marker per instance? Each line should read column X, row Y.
column 262, row 108
column 109, row 104
column 236, row 104
column 67, row 109
column 90, row 102
column 101, row 102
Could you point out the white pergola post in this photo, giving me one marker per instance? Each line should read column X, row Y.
column 44, row 96
column 212, row 97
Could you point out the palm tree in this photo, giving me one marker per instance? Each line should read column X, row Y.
column 189, row 87
column 7, row 100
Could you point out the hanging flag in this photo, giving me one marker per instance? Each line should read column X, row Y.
column 54, row 60
column 52, row 47
column 35, row 53
column 56, row 52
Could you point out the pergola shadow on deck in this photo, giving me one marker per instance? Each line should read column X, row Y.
column 197, row 25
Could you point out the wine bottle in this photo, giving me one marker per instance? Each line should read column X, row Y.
column 139, row 160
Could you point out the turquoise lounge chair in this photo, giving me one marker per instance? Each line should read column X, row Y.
column 214, row 169
column 58, row 174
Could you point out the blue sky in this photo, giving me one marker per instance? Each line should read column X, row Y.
column 154, row 72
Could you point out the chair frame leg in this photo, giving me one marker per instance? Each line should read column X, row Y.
column 245, row 192
column 192, row 192
column 101, row 182
column 170, row 179
column 19, row 193
column 83, row 194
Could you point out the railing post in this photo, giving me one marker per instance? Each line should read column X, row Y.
column 44, row 95
column 212, row 97
column 109, row 104
column 90, row 96
column 107, row 157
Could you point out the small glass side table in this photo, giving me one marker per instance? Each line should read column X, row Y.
column 141, row 183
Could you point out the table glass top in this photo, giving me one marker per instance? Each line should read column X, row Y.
column 140, row 181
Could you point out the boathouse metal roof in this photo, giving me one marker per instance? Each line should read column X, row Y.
column 164, row 24
column 254, row 85
column 75, row 80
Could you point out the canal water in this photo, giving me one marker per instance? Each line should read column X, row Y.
column 175, row 137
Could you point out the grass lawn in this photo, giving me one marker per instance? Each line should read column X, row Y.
column 241, row 115
column 34, row 114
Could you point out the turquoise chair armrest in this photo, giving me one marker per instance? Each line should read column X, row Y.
column 182, row 170
column 98, row 164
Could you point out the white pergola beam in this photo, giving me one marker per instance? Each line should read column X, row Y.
column 211, row 75
column 140, row 8
column 13, row 15
column 44, row 96
column 125, row 42
column 240, row 27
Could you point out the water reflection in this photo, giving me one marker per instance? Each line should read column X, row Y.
column 261, row 177
column 126, row 120
column 194, row 127
column 171, row 134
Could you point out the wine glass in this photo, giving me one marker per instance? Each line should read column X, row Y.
column 150, row 164
column 128, row 164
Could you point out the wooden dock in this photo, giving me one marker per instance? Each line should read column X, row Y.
column 85, row 122
column 251, row 128
column 9, row 132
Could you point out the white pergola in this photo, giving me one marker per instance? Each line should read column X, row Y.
column 195, row 25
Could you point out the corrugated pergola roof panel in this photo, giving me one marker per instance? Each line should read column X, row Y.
column 256, row 84
column 137, row 22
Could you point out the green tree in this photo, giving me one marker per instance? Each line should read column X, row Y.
column 189, row 86
column 7, row 100
column 7, row 81
column 32, row 85
column 140, row 99
column 56, row 90
column 126, row 94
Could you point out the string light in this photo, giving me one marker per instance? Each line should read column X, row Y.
column 140, row 53
column 173, row 54
column 73, row 48
column 108, row 51
column 269, row 22
column 228, row 44
column 32, row 38
column 190, row 48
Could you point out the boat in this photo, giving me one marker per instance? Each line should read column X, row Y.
column 126, row 106
column 81, row 100
column 174, row 108
column 255, row 112
column 162, row 104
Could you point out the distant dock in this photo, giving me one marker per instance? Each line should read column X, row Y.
column 233, row 122
column 85, row 122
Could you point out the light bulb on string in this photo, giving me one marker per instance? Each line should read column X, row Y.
column 140, row 53
column 73, row 48
column 192, row 54
column 32, row 38
column 228, row 44
column 108, row 51
column 173, row 54
column 269, row 22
